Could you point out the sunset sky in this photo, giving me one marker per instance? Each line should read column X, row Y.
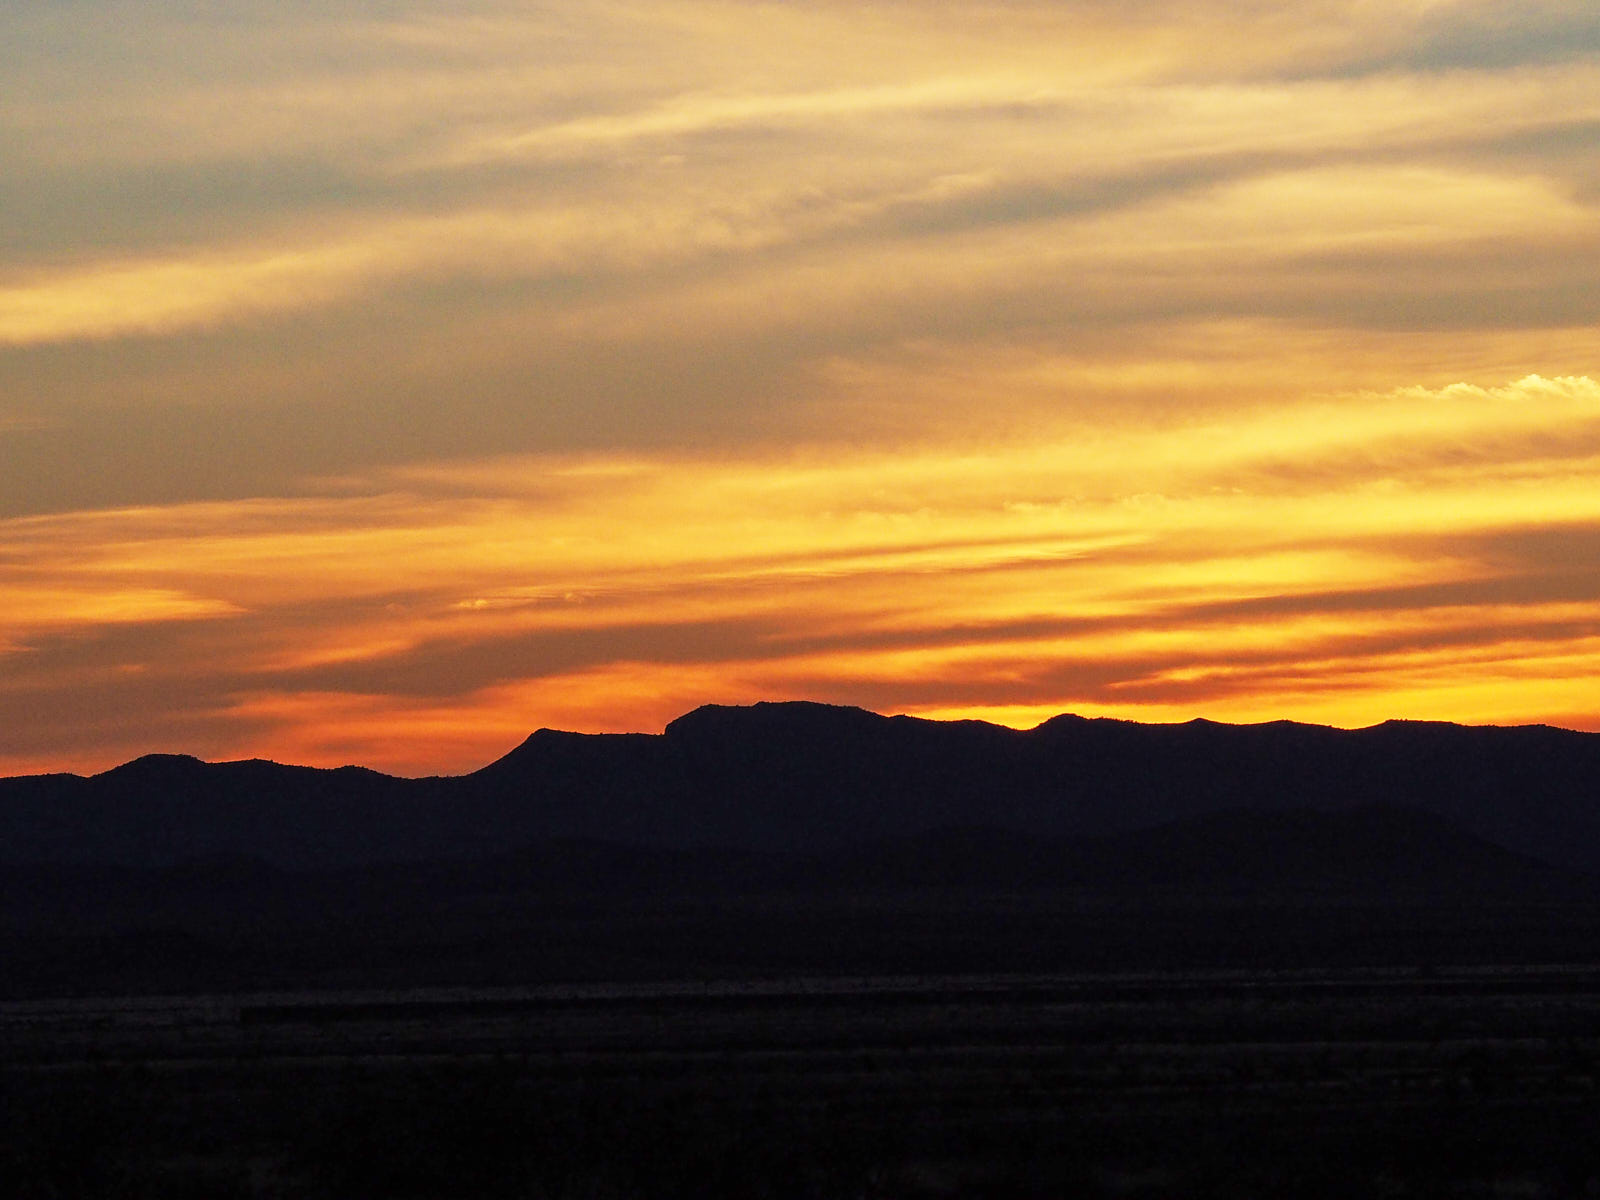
column 382, row 381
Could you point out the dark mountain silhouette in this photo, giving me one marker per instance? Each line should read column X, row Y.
column 810, row 778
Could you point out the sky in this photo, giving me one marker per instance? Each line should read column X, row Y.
column 382, row 381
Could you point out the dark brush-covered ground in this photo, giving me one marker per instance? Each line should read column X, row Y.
column 1239, row 1084
column 891, row 1044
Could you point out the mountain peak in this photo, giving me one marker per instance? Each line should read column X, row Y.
column 153, row 766
column 773, row 714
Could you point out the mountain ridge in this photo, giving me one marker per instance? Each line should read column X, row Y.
column 814, row 777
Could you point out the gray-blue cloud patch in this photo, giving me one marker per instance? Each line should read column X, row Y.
column 1502, row 36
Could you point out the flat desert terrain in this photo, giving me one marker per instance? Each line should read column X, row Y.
column 1400, row 1082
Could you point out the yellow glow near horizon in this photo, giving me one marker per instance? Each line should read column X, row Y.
column 1323, row 561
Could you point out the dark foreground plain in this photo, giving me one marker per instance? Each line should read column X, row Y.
column 1103, row 1070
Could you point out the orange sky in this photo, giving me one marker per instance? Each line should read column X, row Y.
column 378, row 385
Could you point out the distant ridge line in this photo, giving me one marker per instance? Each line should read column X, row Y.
column 809, row 777
column 1063, row 718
